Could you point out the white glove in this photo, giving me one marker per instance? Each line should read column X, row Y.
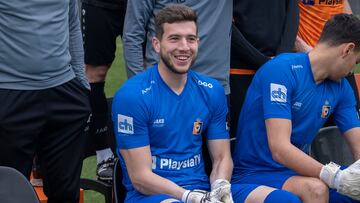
column 221, row 190
column 198, row 196
column 346, row 182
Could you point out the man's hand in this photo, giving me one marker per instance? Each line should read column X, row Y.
column 347, row 182
column 198, row 196
column 221, row 190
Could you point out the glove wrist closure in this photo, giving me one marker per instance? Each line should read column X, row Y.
column 328, row 174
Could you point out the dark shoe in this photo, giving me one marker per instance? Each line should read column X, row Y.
column 104, row 169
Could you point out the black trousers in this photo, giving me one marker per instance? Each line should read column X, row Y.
column 238, row 87
column 49, row 123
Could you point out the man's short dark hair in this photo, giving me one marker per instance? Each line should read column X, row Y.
column 341, row 28
column 172, row 14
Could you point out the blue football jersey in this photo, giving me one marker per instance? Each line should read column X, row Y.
column 285, row 88
column 146, row 112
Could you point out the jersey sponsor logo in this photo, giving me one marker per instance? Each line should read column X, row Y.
column 293, row 67
column 330, row 2
column 160, row 122
column 297, row 105
column 325, row 111
column 171, row 164
column 278, row 93
column 146, row 90
column 101, row 130
column 322, row 2
column 205, row 84
column 125, row 124
column 197, row 128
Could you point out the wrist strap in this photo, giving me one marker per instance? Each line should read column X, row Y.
column 185, row 196
column 328, row 173
column 219, row 182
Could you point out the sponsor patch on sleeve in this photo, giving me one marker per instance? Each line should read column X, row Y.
column 278, row 93
column 125, row 124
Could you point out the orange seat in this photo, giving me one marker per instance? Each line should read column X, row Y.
column 357, row 79
column 43, row 199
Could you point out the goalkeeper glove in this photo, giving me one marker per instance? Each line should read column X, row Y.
column 198, row 196
column 221, row 190
column 347, row 181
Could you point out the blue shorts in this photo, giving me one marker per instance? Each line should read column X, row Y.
column 149, row 198
column 239, row 192
column 275, row 179
column 136, row 197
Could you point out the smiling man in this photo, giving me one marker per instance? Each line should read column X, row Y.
column 161, row 116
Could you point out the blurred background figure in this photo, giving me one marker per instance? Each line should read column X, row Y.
column 214, row 19
column 261, row 30
column 44, row 102
column 102, row 22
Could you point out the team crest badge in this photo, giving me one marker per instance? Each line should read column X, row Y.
column 325, row 112
column 197, row 128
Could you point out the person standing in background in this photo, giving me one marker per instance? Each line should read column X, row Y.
column 44, row 102
column 102, row 22
column 260, row 31
column 214, row 32
column 313, row 15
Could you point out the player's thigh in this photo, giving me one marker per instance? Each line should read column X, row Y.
column 305, row 186
column 151, row 199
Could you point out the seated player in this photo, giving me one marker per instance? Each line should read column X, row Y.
column 160, row 117
column 287, row 103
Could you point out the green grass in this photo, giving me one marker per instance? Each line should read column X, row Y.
column 357, row 69
column 116, row 75
column 115, row 78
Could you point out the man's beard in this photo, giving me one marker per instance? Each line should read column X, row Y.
column 170, row 66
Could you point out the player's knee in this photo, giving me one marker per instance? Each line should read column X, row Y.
column 170, row 201
column 316, row 188
column 96, row 73
column 279, row 196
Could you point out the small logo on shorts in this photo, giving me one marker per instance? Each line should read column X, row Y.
column 197, row 128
